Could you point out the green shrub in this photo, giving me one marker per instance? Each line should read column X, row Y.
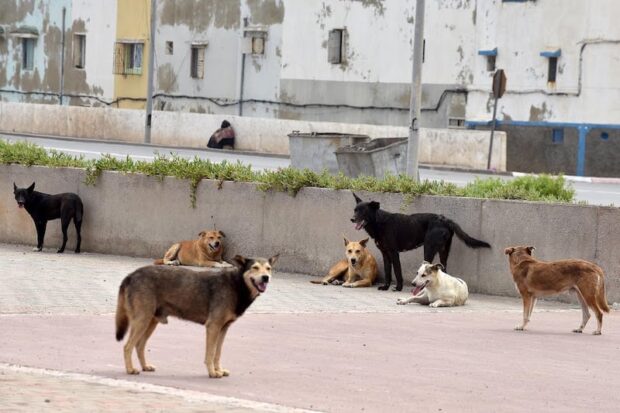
column 533, row 188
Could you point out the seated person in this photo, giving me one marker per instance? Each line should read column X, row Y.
column 223, row 138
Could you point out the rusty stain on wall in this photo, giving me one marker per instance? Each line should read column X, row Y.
column 377, row 4
column 539, row 114
column 266, row 12
column 199, row 15
column 167, row 79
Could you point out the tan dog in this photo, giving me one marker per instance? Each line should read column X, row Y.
column 206, row 251
column 149, row 295
column 535, row 279
column 359, row 267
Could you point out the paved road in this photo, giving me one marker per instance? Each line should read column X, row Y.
column 593, row 193
column 300, row 346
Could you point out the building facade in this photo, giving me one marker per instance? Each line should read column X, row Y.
column 337, row 60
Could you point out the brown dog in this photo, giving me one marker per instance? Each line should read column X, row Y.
column 205, row 251
column 535, row 279
column 215, row 299
column 360, row 267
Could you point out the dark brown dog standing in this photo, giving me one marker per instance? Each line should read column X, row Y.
column 150, row 294
column 535, row 279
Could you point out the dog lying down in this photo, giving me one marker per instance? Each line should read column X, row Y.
column 435, row 288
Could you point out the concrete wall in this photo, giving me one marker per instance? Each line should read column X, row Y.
column 455, row 147
column 142, row 216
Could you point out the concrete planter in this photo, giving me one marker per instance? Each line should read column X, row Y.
column 378, row 158
column 315, row 151
column 142, row 216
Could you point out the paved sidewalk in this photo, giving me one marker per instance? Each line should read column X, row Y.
column 301, row 345
column 50, row 283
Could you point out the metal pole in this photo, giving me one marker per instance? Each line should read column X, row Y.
column 494, row 122
column 149, row 89
column 242, row 80
column 62, row 57
column 416, row 91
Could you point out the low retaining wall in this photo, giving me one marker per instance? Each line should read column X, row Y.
column 142, row 216
column 454, row 147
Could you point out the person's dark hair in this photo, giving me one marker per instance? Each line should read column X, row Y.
column 225, row 124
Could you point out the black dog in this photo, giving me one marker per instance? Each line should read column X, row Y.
column 44, row 207
column 394, row 233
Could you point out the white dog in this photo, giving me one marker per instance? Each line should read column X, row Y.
column 435, row 288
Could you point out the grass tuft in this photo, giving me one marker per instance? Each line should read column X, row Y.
column 544, row 188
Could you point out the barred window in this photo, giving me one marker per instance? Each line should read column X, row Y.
column 128, row 58
column 197, row 69
column 27, row 53
column 79, row 51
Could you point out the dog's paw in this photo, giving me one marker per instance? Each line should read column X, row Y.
column 216, row 374
column 337, row 282
column 225, row 373
column 37, row 249
column 401, row 301
column 347, row 285
column 148, row 367
column 519, row 328
column 578, row 330
column 596, row 333
column 383, row 287
column 222, row 264
column 397, row 288
column 60, row 251
column 132, row 371
column 77, row 251
column 434, row 305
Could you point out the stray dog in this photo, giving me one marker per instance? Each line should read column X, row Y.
column 534, row 279
column 394, row 233
column 45, row 207
column 360, row 267
column 435, row 288
column 150, row 294
column 206, row 251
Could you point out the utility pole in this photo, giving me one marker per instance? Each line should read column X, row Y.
column 149, row 87
column 416, row 91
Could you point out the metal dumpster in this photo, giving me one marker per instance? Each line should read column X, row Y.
column 315, row 151
column 377, row 157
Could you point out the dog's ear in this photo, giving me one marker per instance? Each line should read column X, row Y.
column 31, row 188
column 363, row 242
column 14, row 188
column 241, row 260
column 222, row 234
column 357, row 198
column 509, row 250
column 438, row 267
column 374, row 205
column 202, row 234
column 273, row 259
column 530, row 249
column 346, row 241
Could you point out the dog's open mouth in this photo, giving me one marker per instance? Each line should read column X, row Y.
column 20, row 204
column 418, row 288
column 360, row 224
column 260, row 286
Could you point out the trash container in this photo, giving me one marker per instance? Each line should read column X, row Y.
column 377, row 157
column 315, row 150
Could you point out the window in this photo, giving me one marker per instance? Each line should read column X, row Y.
column 128, row 58
column 79, row 51
column 557, row 136
column 335, row 46
column 198, row 62
column 169, row 48
column 423, row 50
column 553, row 69
column 491, row 63
column 457, row 123
column 27, row 53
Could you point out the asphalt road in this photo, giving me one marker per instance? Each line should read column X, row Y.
column 593, row 193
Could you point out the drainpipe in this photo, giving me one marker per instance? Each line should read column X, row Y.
column 581, row 149
column 62, row 57
column 242, row 74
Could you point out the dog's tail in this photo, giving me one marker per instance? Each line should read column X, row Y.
column 317, row 281
column 122, row 321
column 159, row 262
column 601, row 298
column 469, row 241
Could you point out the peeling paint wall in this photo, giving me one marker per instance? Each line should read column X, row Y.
column 42, row 83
